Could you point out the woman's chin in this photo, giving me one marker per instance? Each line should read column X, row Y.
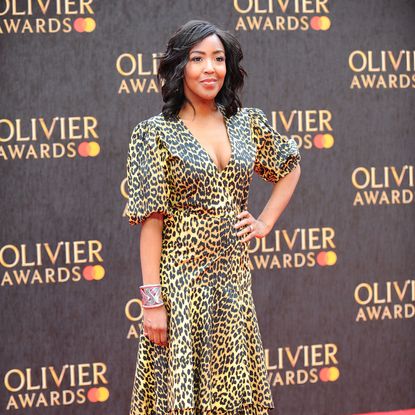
column 208, row 97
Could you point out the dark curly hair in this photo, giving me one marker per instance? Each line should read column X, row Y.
column 172, row 63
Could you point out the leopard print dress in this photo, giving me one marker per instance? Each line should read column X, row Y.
column 214, row 362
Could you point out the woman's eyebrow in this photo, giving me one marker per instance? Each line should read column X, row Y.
column 204, row 53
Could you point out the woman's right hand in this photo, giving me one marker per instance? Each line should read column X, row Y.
column 155, row 324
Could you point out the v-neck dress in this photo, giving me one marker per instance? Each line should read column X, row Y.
column 214, row 362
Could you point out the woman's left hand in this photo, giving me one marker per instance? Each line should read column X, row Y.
column 253, row 227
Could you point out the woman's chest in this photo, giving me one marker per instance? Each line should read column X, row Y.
column 191, row 161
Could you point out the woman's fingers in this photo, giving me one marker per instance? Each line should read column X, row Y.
column 251, row 227
column 156, row 336
column 155, row 325
column 163, row 337
column 245, row 218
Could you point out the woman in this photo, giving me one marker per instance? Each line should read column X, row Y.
column 189, row 169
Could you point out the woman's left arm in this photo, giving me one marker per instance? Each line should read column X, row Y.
column 280, row 196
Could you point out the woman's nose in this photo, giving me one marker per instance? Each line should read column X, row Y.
column 208, row 66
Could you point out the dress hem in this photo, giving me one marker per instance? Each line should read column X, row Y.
column 244, row 409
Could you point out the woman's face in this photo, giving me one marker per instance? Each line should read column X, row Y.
column 205, row 71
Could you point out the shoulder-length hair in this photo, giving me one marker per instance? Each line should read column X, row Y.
column 171, row 68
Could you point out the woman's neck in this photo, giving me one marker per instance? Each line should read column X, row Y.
column 202, row 109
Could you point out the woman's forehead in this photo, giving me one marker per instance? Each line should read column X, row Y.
column 210, row 43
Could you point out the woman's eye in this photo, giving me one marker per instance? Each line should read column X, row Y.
column 198, row 58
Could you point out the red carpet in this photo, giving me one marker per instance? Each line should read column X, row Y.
column 400, row 412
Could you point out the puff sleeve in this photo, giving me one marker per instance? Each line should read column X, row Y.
column 276, row 155
column 148, row 189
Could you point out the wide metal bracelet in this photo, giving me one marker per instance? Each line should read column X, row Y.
column 151, row 295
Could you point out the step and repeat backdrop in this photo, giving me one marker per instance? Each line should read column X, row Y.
column 333, row 283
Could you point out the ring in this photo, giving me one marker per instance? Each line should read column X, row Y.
column 251, row 228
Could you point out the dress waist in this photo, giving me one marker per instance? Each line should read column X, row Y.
column 219, row 212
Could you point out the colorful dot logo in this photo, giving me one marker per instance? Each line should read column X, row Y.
column 325, row 258
column 89, row 149
column 100, row 394
column 93, row 272
column 329, row 374
column 320, row 23
column 84, row 24
column 323, row 140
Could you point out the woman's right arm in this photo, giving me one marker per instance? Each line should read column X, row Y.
column 154, row 319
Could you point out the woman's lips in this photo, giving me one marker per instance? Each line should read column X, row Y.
column 209, row 83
